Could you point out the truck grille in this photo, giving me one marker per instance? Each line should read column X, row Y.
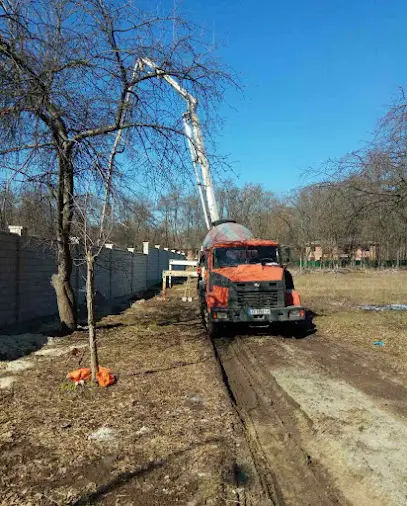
column 257, row 299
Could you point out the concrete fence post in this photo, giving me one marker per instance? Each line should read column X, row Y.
column 18, row 280
column 157, row 247
column 19, row 231
column 146, row 251
column 110, row 247
column 131, row 250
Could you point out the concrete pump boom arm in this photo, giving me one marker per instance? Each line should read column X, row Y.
column 196, row 146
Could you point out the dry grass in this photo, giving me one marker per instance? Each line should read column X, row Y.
column 327, row 291
column 335, row 297
column 168, row 383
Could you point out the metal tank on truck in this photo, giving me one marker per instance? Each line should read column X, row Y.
column 244, row 280
column 241, row 279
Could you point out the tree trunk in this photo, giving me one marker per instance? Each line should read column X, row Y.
column 65, row 296
column 90, row 290
column 61, row 281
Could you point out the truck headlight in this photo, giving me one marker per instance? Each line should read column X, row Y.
column 297, row 313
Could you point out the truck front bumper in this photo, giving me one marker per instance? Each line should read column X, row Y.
column 269, row 315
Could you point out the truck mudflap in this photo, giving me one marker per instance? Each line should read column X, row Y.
column 261, row 316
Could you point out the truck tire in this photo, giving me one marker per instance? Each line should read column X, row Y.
column 213, row 329
column 296, row 329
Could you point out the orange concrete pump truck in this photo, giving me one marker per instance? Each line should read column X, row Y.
column 244, row 280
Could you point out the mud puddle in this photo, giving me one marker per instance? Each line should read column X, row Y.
column 384, row 307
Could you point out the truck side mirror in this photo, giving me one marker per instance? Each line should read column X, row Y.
column 286, row 255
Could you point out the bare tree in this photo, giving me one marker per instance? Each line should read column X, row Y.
column 87, row 209
column 67, row 74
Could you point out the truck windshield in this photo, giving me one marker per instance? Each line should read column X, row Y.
column 229, row 257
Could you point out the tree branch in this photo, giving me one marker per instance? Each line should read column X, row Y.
column 94, row 132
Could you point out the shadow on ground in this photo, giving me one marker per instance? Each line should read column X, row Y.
column 116, row 307
column 124, row 478
column 17, row 341
column 13, row 347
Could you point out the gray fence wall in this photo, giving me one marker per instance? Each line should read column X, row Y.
column 27, row 264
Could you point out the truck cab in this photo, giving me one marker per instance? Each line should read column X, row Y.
column 245, row 281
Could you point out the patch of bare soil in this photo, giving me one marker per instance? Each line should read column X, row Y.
column 326, row 421
column 274, row 428
column 164, row 434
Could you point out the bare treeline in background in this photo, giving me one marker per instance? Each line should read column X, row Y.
column 358, row 201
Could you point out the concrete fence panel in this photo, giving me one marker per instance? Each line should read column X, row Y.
column 153, row 264
column 104, row 274
column 121, row 269
column 9, row 286
column 27, row 265
column 140, row 265
column 36, row 266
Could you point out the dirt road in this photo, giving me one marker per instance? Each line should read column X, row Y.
column 325, row 423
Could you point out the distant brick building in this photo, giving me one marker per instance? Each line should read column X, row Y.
column 316, row 252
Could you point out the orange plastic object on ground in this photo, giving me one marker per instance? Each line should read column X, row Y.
column 104, row 376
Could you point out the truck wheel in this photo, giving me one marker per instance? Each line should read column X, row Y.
column 296, row 329
column 213, row 329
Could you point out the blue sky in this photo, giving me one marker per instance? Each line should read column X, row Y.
column 317, row 76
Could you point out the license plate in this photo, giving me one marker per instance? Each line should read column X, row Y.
column 259, row 311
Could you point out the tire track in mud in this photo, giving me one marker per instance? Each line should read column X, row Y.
column 357, row 402
column 273, row 424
